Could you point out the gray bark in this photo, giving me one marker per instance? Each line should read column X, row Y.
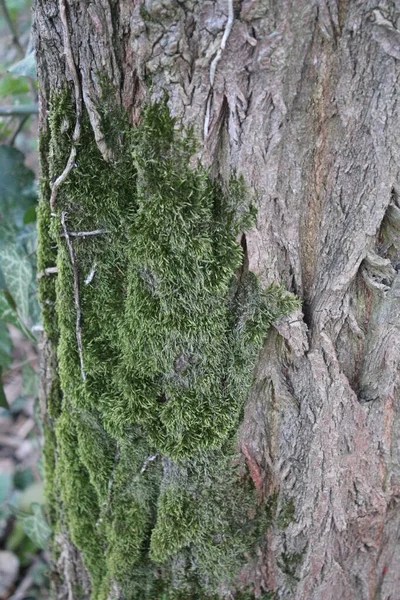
column 301, row 98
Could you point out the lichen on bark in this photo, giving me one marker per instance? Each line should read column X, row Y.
column 143, row 448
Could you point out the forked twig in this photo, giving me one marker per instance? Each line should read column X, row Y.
column 76, row 295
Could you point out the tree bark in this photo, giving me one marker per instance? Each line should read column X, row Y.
column 300, row 98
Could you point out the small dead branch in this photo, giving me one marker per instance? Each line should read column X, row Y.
column 11, row 27
column 78, row 104
column 86, row 233
column 148, row 460
column 18, row 130
column 89, row 278
column 10, row 441
column 19, row 110
column 214, row 64
column 76, row 295
column 21, row 592
column 227, row 31
column 48, row 271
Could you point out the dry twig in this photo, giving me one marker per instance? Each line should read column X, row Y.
column 25, row 584
column 214, row 63
column 76, row 295
column 12, row 29
column 47, row 271
column 86, row 233
column 148, row 460
column 78, row 104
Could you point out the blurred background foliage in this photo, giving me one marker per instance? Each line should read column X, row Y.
column 23, row 527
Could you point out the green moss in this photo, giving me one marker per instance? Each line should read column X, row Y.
column 171, row 330
column 132, row 507
column 49, row 463
column 46, row 251
column 78, row 591
column 207, row 519
column 79, row 498
column 286, row 514
column 289, row 563
column 145, row 15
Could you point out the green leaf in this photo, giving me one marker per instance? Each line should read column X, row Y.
column 39, row 573
column 18, row 405
column 5, row 346
column 33, row 494
column 3, row 399
column 8, row 314
column 18, row 6
column 19, row 13
column 25, row 67
column 9, row 299
column 40, row 468
column 37, row 412
column 30, row 215
column 17, row 272
column 8, row 309
column 29, row 381
column 17, row 188
column 23, row 478
column 34, row 525
column 16, row 537
column 6, row 486
column 12, row 86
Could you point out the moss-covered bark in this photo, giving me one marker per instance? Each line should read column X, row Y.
column 300, row 98
column 142, row 447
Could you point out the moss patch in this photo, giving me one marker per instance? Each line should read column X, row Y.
column 286, row 514
column 152, row 489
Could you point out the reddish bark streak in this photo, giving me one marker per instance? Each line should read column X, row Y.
column 255, row 471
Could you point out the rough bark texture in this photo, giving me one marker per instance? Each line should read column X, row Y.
column 301, row 99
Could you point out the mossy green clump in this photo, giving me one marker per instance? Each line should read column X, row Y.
column 286, row 514
column 289, row 562
column 207, row 518
column 146, row 462
column 46, row 253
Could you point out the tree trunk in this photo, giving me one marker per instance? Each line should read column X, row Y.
column 170, row 472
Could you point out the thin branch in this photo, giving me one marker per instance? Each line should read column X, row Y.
column 214, row 64
column 148, row 460
column 86, row 233
column 89, row 278
column 78, row 104
column 51, row 270
column 18, row 130
column 18, row 365
column 47, row 271
column 12, row 29
column 25, row 584
column 9, row 441
column 76, row 296
column 17, row 44
column 207, row 115
column 227, row 31
column 21, row 110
